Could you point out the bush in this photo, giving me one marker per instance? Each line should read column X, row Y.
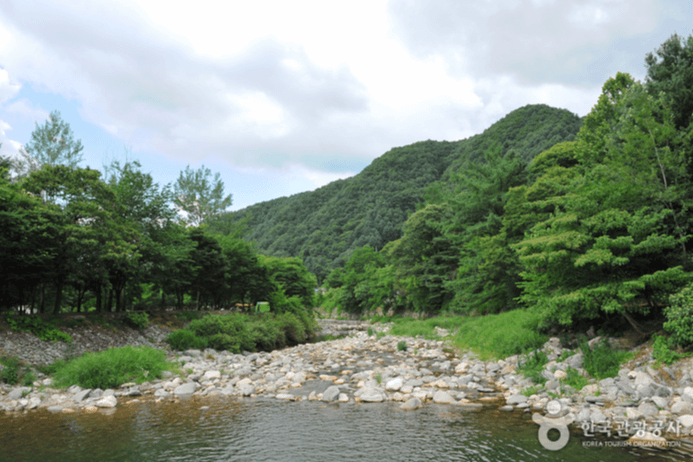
column 37, row 326
column 662, row 352
column 602, row 362
column 10, row 373
column 401, row 345
column 574, row 379
column 112, row 368
column 533, row 366
column 183, row 339
column 136, row 320
column 679, row 316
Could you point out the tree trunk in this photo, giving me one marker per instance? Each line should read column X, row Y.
column 58, row 296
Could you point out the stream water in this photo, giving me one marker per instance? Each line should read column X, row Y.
column 271, row 430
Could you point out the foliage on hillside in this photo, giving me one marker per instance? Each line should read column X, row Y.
column 598, row 227
column 325, row 226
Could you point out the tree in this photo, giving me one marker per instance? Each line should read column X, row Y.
column 199, row 196
column 616, row 240
column 671, row 72
column 53, row 144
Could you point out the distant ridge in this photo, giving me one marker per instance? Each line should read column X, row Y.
column 324, row 226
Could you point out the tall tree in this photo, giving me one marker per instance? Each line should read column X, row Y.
column 199, row 195
column 671, row 72
column 53, row 144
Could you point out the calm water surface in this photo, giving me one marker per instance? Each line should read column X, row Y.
column 268, row 430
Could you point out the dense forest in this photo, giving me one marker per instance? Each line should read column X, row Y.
column 325, row 226
column 595, row 228
column 576, row 219
column 72, row 239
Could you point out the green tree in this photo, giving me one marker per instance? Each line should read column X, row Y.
column 615, row 242
column 200, row 196
column 53, row 144
column 671, row 72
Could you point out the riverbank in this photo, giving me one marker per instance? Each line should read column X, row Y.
column 415, row 372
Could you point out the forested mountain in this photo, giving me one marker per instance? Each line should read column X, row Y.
column 325, row 226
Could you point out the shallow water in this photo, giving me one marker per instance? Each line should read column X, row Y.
column 269, row 430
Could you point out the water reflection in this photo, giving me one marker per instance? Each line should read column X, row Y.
column 267, row 430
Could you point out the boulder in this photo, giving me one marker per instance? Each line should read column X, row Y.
column 371, row 395
column 516, row 399
column 211, row 375
column 394, row 384
column 184, row 389
column 107, row 402
column 411, row 404
column 443, row 397
column 82, row 395
column 331, row 394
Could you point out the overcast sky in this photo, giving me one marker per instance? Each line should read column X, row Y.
column 285, row 96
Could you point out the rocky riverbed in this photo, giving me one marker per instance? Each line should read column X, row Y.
column 643, row 402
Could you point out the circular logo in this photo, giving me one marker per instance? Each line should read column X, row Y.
column 560, row 443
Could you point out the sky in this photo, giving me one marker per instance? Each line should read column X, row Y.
column 283, row 97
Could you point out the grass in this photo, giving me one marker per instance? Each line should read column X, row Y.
column 533, row 390
column 603, row 361
column 662, row 352
column 574, row 379
column 533, row 366
column 494, row 336
column 112, row 368
column 45, row 330
column 402, row 345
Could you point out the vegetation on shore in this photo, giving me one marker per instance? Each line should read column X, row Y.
column 591, row 232
column 237, row 333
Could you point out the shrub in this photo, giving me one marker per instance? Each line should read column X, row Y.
column 402, row 345
column 679, row 316
column 533, row 366
column 37, row 326
column 370, row 331
column 183, row 339
column 136, row 320
column 29, row 378
column 603, row 361
column 112, row 368
column 10, row 373
column 186, row 316
column 574, row 379
column 661, row 351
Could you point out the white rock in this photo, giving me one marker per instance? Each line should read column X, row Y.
column 394, row 384
column 686, row 420
column 108, row 401
column 443, row 397
column 211, row 375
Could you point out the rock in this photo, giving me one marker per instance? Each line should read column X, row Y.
column 331, row 394
column 642, row 378
column 575, row 361
column 686, row 420
column 558, row 375
column 394, row 384
column 648, row 439
column 343, row 398
column 33, row 403
column 597, row 416
column 633, row 414
column 161, row 393
column 506, row 408
column 516, row 399
column 82, row 395
column 660, row 402
column 246, row 389
column 594, row 399
column 16, row 393
column 411, row 404
column 371, row 395
column 285, row 396
column 648, row 409
column 443, row 397
column 583, row 415
column 55, row 409
column 193, row 353
column 211, row 375
column 185, row 389
column 107, row 402
column 681, row 407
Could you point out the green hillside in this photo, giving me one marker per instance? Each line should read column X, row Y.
column 326, row 225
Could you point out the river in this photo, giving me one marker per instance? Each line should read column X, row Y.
column 270, row 430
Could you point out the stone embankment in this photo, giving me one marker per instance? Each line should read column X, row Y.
column 413, row 372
